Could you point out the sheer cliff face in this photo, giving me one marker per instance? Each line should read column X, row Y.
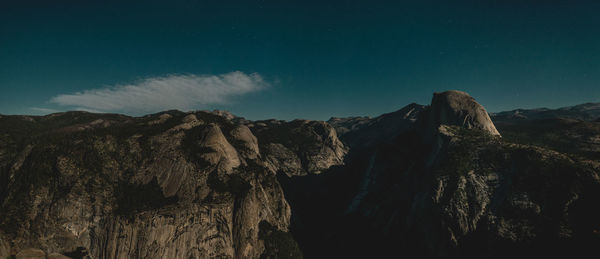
column 433, row 181
column 460, row 109
column 169, row 185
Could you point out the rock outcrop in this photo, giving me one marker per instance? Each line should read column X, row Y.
column 459, row 109
column 447, row 186
column 299, row 147
column 219, row 150
column 169, row 185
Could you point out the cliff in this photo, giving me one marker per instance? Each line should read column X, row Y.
column 168, row 185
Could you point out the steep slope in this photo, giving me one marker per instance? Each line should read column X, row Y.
column 168, row 185
column 362, row 132
column 447, row 187
column 299, row 147
column 457, row 108
column 482, row 197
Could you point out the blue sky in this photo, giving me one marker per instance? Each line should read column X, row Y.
column 294, row 59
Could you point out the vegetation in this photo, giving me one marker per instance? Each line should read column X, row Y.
column 78, row 253
column 464, row 149
column 132, row 198
column 191, row 148
column 566, row 136
column 233, row 184
column 278, row 244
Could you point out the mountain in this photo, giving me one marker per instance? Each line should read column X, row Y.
column 574, row 129
column 586, row 112
column 362, row 131
column 449, row 186
column 575, row 137
column 444, row 180
column 167, row 185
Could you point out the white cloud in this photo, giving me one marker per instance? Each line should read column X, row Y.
column 43, row 111
column 182, row 92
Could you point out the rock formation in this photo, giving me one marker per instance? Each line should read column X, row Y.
column 460, row 109
column 447, row 186
column 363, row 132
column 169, row 185
column 433, row 181
column 299, row 147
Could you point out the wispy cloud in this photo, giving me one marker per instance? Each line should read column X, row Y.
column 183, row 92
column 43, row 111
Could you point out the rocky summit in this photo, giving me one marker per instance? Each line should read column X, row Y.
column 459, row 109
column 426, row 181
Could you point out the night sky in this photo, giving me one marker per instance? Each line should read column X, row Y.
column 288, row 59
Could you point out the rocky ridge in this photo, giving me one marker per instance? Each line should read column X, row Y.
column 168, row 185
column 585, row 112
column 448, row 186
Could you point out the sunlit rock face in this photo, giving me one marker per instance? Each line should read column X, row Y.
column 299, row 147
column 168, row 185
column 459, row 109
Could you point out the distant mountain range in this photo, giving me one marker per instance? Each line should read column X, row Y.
column 586, row 112
column 444, row 180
